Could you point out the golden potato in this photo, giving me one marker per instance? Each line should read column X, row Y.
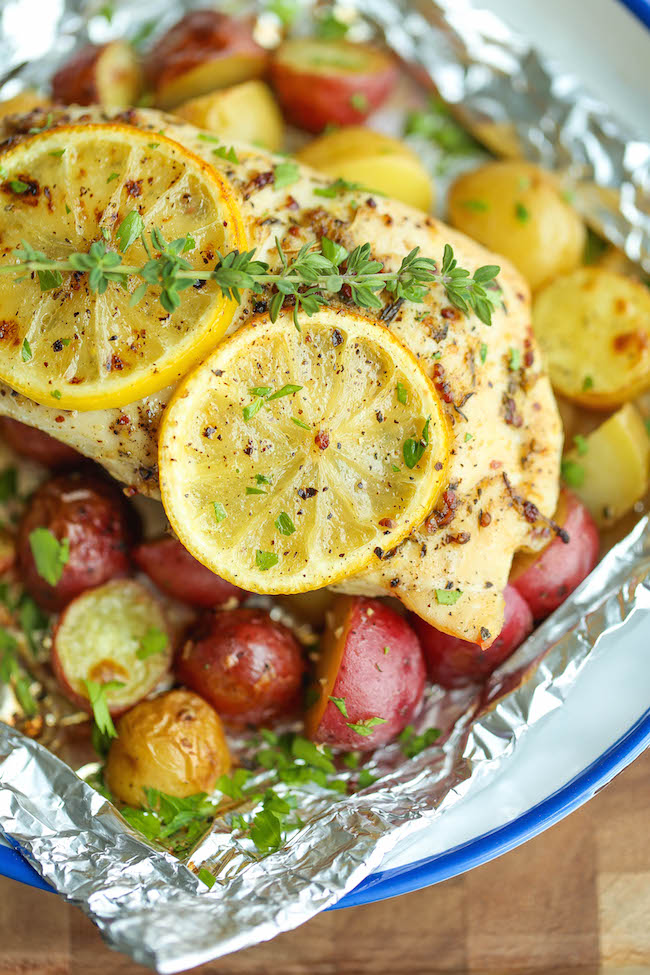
column 174, row 743
column 99, row 74
column 24, row 102
column 515, row 209
column 243, row 113
column 609, row 471
column 375, row 160
column 594, row 329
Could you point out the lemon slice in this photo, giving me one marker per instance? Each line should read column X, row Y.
column 289, row 460
column 67, row 187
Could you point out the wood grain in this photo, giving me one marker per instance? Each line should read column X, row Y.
column 573, row 901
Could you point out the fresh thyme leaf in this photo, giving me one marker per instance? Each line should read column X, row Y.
column 448, row 597
column 219, row 511
column 50, row 555
column 265, row 560
column 365, row 726
column 284, row 524
column 286, row 173
column 339, row 702
column 153, row 642
column 26, row 350
column 99, row 704
column 573, row 473
column 129, row 230
column 49, row 280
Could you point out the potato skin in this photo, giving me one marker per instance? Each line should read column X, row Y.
column 545, row 579
column 91, row 513
column 104, row 74
column 456, row 663
column 247, row 666
column 515, row 209
column 171, row 567
column 355, row 667
column 313, row 92
column 174, row 743
column 36, row 445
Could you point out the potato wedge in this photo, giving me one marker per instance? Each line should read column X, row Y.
column 594, row 329
column 610, row 471
column 22, row 103
column 103, row 74
column 375, row 160
column 515, row 209
column 244, row 113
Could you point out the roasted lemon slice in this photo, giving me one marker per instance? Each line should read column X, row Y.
column 289, row 460
column 68, row 187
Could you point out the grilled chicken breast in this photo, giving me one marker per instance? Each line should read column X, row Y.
column 507, row 436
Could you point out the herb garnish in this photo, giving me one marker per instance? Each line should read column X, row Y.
column 438, row 125
column 514, row 363
column 340, row 186
column 448, row 597
column 365, row 725
column 26, row 350
column 311, row 277
column 402, row 395
column 573, row 473
column 581, row 444
column 413, row 744
column 339, row 702
column 265, row 560
column 286, row 173
column 522, row 213
column 284, row 524
column 219, row 511
column 359, row 102
column 50, row 554
column 414, row 449
column 99, row 704
column 153, row 642
column 264, row 394
column 12, row 674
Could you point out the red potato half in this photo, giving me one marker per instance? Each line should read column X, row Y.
column 90, row 517
column 243, row 663
column 370, row 676
column 204, row 51
column 99, row 74
column 114, row 633
column 171, row 567
column 455, row 663
column 36, row 445
column 545, row 579
column 330, row 82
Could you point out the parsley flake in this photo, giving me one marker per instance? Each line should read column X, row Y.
column 265, row 560
column 413, row 744
column 359, row 102
column 129, row 230
column 286, row 173
column 153, row 642
column 18, row 186
column 573, row 473
column 402, row 395
column 483, row 352
column 57, row 153
column 229, row 154
column 284, row 524
column 587, row 383
column 514, row 363
column 26, row 352
column 413, row 450
column 50, row 555
column 365, row 726
column 219, row 511
column 112, row 177
column 98, row 702
column 478, row 206
column 448, row 597
column 522, row 213
column 581, row 444
column 339, row 702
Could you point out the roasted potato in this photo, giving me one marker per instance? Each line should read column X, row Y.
column 322, row 82
column 609, row 472
column 244, row 113
column 369, row 679
column 516, row 209
column 102, row 74
column 113, row 633
column 594, row 330
column 309, row 606
column 173, row 743
column 545, row 579
column 244, row 664
column 374, row 160
column 36, row 445
column 171, row 567
column 204, row 51
column 73, row 535
column 452, row 662
column 22, row 103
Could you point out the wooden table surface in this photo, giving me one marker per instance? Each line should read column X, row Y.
column 574, row 900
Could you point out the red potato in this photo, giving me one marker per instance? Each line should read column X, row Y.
column 99, row 74
column 204, row 51
column 452, row 662
column 35, row 445
column 117, row 636
column 545, row 579
column 247, row 666
column 370, row 676
column 330, row 82
column 171, row 567
column 87, row 534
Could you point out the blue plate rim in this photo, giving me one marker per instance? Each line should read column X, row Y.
column 640, row 8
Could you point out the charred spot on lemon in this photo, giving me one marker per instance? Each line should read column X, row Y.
column 288, row 461
column 70, row 187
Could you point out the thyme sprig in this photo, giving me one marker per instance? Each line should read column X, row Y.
column 319, row 270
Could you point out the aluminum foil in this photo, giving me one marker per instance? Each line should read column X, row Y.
column 145, row 901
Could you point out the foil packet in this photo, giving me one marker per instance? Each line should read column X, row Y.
column 147, row 902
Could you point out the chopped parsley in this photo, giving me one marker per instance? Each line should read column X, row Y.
column 265, row 560
column 479, row 206
column 359, row 102
column 514, row 363
column 522, row 213
column 12, row 674
column 365, row 726
column 50, row 555
column 402, row 395
column 340, row 186
column 112, row 177
column 26, row 352
column 99, row 704
column 330, row 28
column 438, row 125
column 284, row 524
column 57, row 153
column 468, row 437
column 483, row 352
column 153, row 642
column 56, row 394
column 573, row 473
column 581, row 444
column 18, row 186
column 414, row 449
column 219, row 511
column 286, row 173
column 227, row 153
column 252, row 490
column 153, row 145
column 339, row 702
column 413, row 744
column 587, row 384
column 448, row 597
column 129, row 230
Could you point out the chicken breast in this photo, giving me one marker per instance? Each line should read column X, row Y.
column 507, row 436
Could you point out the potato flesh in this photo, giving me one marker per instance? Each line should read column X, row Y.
column 244, row 113
column 515, row 209
column 615, row 466
column 594, row 329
